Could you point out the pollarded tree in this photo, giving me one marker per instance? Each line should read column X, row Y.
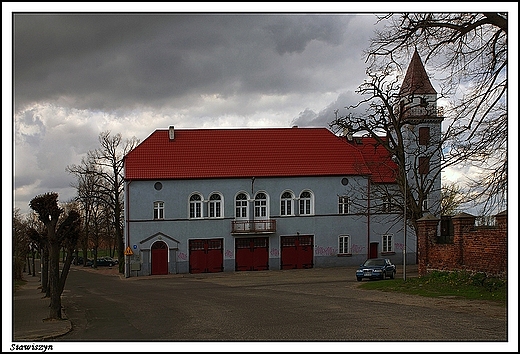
column 57, row 235
column 469, row 54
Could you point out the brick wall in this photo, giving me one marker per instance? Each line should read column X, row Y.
column 481, row 249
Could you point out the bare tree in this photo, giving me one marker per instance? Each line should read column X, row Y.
column 88, row 195
column 452, row 199
column 469, row 53
column 20, row 244
column 49, row 212
column 109, row 181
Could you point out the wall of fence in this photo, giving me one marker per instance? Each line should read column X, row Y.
column 478, row 249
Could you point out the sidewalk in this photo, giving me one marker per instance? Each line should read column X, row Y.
column 30, row 311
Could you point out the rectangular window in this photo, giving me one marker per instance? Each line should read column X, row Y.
column 388, row 244
column 344, row 205
column 158, row 210
column 344, row 244
column 387, row 205
column 424, row 165
column 424, row 136
column 425, row 203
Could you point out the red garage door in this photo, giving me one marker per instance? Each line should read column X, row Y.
column 252, row 253
column 159, row 258
column 297, row 252
column 206, row 256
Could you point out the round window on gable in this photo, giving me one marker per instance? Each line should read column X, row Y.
column 157, row 186
column 344, row 181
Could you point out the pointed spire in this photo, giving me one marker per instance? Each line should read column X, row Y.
column 416, row 80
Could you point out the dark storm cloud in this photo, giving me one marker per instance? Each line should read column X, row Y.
column 309, row 118
column 78, row 74
column 104, row 61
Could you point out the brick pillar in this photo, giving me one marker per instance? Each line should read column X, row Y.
column 427, row 231
column 462, row 223
column 501, row 219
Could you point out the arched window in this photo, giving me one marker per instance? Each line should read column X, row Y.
column 286, row 203
column 306, row 203
column 261, row 206
column 195, row 206
column 215, row 206
column 241, row 206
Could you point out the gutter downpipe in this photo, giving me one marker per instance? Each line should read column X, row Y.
column 368, row 219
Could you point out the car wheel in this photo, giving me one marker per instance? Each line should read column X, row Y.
column 383, row 276
column 392, row 275
column 359, row 279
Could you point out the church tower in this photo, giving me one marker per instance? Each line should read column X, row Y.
column 421, row 131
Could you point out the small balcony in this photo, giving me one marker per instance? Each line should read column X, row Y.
column 419, row 111
column 241, row 227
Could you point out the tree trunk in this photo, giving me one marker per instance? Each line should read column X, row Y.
column 18, row 267
column 33, row 264
column 29, row 264
column 54, row 280
column 45, row 271
column 120, row 248
column 65, row 270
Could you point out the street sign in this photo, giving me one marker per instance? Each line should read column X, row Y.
column 128, row 251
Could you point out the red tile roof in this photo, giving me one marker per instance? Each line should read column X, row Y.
column 233, row 153
column 378, row 160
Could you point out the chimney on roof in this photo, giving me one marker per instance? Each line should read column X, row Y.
column 347, row 132
column 171, row 132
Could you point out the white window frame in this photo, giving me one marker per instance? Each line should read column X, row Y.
column 261, row 206
column 158, row 210
column 306, row 203
column 343, row 204
column 344, row 247
column 287, row 204
column 216, row 206
column 244, row 206
column 387, row 243
column 195, row 210
column 386, row 205
column 425, row 203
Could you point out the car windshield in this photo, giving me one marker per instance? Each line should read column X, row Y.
column 375, row 262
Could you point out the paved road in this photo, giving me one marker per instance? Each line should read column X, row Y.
column 291, row 305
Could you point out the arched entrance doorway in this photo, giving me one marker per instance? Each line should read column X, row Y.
column 159, row 258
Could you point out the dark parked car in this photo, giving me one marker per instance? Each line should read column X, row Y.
column 376, row 268
column 79, row 261
column 105, row 262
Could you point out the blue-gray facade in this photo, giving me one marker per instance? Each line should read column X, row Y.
column 343, row 228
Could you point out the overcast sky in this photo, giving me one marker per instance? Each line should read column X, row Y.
column 75, row 75
column 78, row 74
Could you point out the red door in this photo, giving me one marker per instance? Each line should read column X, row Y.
column 206, row 256
column 159, row 258
column 252, row 253
column 373, row 249
column 297, row 252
